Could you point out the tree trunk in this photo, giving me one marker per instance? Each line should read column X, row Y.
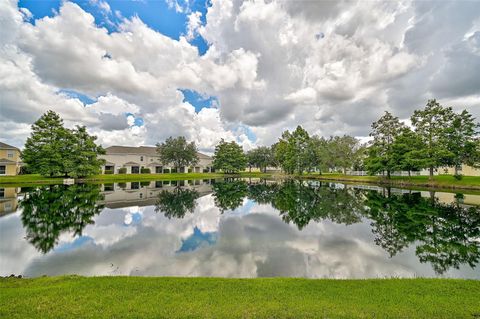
column 456, row 170
column 431, row 174
column 409, row 173
column 388, row 174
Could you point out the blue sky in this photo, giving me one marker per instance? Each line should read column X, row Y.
column 157, row 14
column 332, row 67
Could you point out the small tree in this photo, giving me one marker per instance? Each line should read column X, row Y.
column 47, row 146
column 407, row 151
column 260, row 157
column 83, row 159
column 463, row 142
column 229, row 157
column 294, row 151
column 432, row 126
column 343, row 151
column 384, row 132
column 53, row 150
column 177, row 151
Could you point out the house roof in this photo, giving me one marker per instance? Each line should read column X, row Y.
column 130, row 164
column 4, row 146
column 141, row 150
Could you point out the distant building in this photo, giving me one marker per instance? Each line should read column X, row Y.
column 136, row 158
column 9, row 160
column 8, row 200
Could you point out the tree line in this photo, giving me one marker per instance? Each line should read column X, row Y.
column 437, row 137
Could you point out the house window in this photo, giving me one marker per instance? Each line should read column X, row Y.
column 135, row 185
column 135, row 169
column 141, row 158
column 109, row 187
column 2, row 192
column 2, row 169
column 158, row 169
column 10, row 154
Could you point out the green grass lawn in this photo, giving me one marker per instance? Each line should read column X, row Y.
column 137, row 297
column 440, row 181
column 37, row 179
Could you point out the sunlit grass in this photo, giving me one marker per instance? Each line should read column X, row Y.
column 37, row 179
column 439, row 181
column 137, row 297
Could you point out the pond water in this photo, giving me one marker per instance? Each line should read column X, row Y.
column 238, row 228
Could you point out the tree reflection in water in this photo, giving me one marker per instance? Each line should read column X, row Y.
column 176, row 203
column 446, row 235
column 49, row 211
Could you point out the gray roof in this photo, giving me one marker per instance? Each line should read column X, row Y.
column 4, row 146
column 131, row 164
column 141, row 150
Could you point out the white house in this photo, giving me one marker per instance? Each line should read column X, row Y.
column 136, row 158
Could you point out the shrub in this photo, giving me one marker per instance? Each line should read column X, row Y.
column 144, row 170
column 122, row 185
column 122, row 170
column 166, row 170
column 458, row 177
column 110, row 171
column 144, row 184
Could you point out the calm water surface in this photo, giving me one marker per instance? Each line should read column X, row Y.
column 238, row 228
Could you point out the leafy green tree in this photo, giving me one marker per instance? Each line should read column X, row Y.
column 83, row 159
column 344, row 151
column 407, row 150
column 48, row 146
column 384, row 132
column 176, row 203
column 229, row 157
column 178, row 152
column 322, row 155
column 432, row 125
column 260, row 157
column 53, row 150
column 463, row 140
column 294, row 151
column 49, row 211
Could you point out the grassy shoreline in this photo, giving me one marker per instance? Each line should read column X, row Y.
column 166, row 297
column 440, row 182
column 33, row 179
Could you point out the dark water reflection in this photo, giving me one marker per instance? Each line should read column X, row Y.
column 238, row 228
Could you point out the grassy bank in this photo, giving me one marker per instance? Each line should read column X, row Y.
column 37, row 179
column 439, row 182
column 136, row 297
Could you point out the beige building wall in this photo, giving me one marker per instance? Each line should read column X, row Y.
column 146, row 160
column 466, row 170
column 11, row 155
column 8, row 200
column 10, row 158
